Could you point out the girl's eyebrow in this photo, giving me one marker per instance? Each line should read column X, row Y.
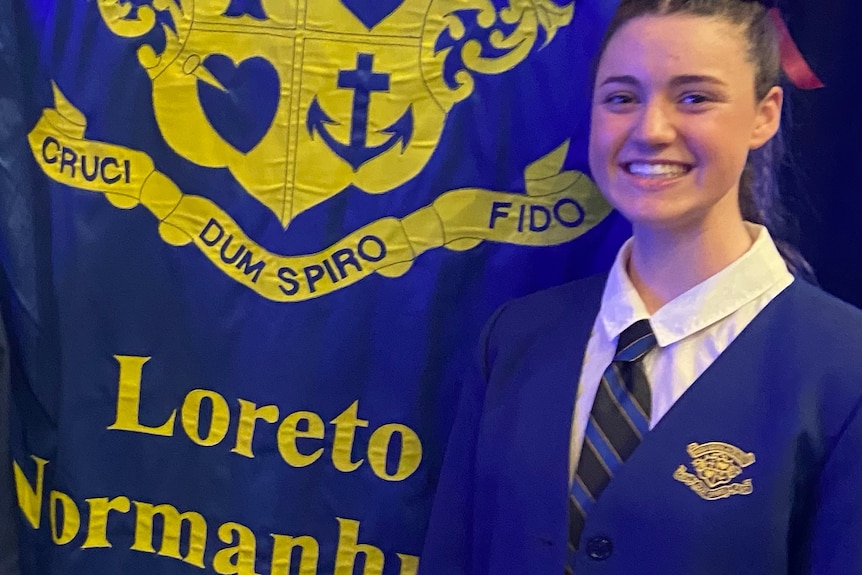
column 676, row 81
column 631, row 80
column 695, row 79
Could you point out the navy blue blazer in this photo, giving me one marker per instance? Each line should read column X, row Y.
column 756, row 469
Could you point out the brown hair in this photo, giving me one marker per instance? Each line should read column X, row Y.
column 759, row 198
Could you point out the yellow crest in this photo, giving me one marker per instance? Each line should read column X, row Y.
column 716, row 465
column 300, row 99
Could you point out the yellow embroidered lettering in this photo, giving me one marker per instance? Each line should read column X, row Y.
column 238, row 559
column 409, row 564
column 289, row 432
column 349, row 548
column 184, row 535
column 282, row 551
column 71, row 518
column 342, row 447
column 100, row 508
column 172, row 524
column 378, row 450
column 249, row 413
column 393, row 450
column 129, row 399
column 219, row 418
column 30, row 497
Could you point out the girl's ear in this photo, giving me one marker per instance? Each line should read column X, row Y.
column 768, row 117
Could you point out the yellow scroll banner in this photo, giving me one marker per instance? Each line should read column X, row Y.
column 558, row 207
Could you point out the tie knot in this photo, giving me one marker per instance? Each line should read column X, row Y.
column 635, row 341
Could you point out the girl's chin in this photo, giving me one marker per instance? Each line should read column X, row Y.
column 662, row 219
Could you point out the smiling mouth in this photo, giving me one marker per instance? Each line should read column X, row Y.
column 657, row 169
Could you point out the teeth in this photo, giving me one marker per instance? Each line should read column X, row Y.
column 644, row 169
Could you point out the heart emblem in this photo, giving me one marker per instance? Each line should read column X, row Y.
column 243, row 111
column 372, row 12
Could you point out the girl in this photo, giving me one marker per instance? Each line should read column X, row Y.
column 697, row 409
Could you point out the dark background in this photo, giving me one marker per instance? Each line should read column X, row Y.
column 823, row 181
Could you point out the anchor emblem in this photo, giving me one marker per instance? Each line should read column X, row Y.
column 363, row 81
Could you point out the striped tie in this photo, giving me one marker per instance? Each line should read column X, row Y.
column 619, row 419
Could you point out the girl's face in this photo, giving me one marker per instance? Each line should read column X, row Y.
column 674, row 116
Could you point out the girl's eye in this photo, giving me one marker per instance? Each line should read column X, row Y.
column 618, row 99
column 694, row 99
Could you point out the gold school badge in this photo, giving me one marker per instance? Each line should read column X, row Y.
column 716, row 464
column 300, row 99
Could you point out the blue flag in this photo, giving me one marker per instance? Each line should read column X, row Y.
column 247, row 249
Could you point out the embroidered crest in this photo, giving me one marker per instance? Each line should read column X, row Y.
column 716, row 465
column 299, row 101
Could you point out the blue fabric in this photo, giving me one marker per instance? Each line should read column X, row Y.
column 788, row 390
column 289, row 410
column 8, row 538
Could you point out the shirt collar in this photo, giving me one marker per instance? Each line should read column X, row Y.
column 712, row 300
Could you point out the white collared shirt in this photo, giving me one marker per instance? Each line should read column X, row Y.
column 692, row 329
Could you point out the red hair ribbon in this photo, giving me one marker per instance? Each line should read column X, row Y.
column 792, row 61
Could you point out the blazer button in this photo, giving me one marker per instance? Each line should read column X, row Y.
column 599, row 548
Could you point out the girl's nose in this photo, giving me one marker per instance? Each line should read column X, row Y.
column 655, row 125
